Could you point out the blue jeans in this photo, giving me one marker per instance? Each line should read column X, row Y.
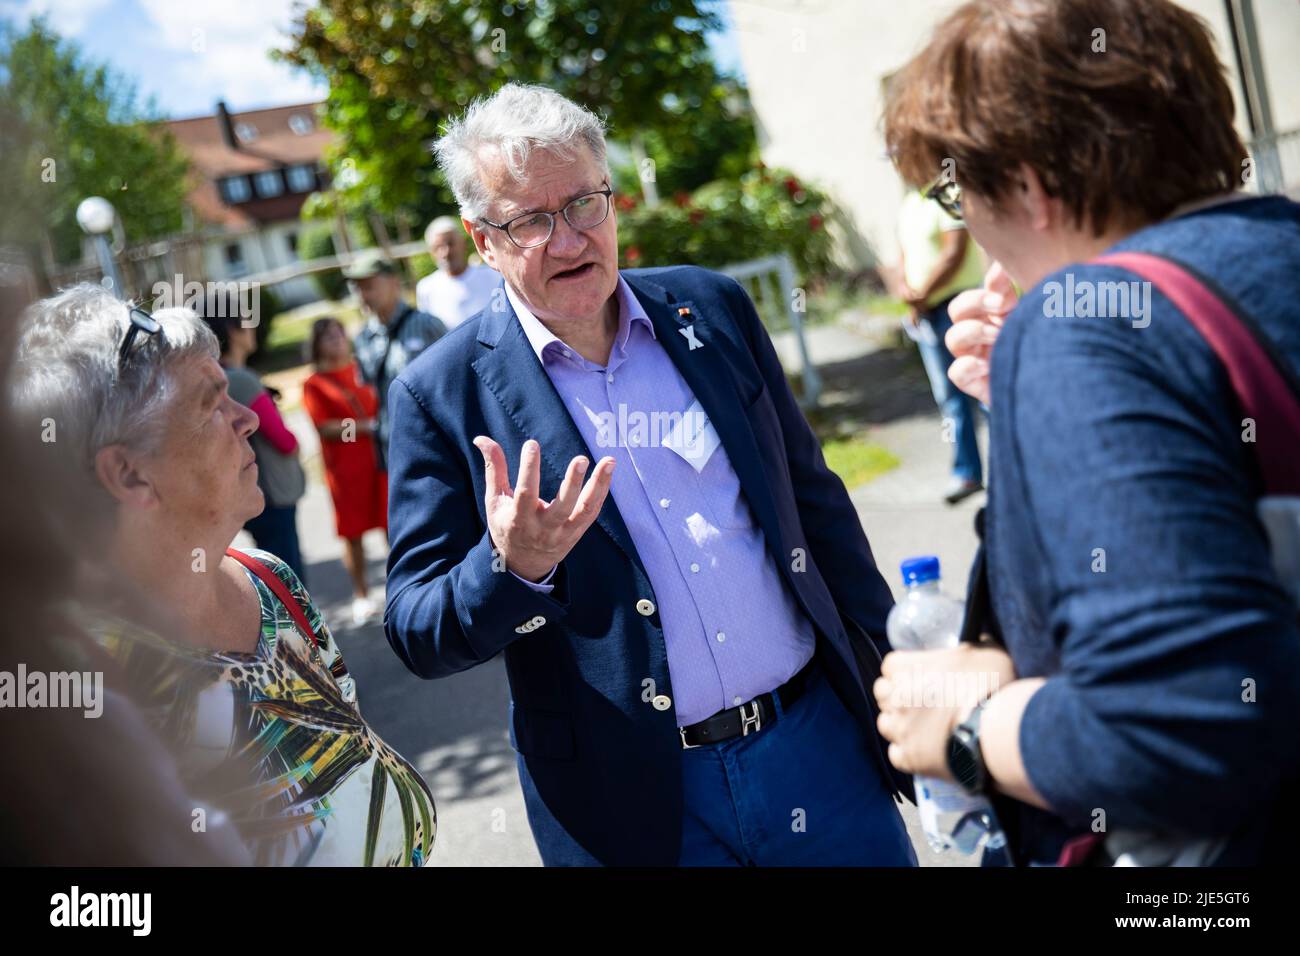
column 276, row 530
column 956, row 406
column 803, row 792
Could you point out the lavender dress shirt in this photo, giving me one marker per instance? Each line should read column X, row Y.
column 731, row 629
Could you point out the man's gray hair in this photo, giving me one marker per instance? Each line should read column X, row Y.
column 513, row 122
column 66, row 371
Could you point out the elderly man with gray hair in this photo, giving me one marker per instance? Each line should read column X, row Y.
column 689, row 663
column 456, row 290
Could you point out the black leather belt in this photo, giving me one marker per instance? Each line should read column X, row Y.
column 748, row 718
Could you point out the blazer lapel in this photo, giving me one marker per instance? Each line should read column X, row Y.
column 512, row 371
column 706, row 372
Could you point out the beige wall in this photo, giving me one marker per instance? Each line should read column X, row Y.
column 815, row 70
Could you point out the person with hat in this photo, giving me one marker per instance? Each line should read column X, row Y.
column 394, row 334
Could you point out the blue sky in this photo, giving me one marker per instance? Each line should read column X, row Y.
column 187, row 54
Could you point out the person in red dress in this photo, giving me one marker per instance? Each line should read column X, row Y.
column 345, row 412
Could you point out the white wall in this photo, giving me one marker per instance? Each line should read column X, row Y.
column 263, row 248
column 815, row 70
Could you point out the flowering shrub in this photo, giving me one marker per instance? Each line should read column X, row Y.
column 762, row 213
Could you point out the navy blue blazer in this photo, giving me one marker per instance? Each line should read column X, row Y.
column 600, row 766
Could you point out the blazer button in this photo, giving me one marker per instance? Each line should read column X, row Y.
column 662, row 703
column 645, row 609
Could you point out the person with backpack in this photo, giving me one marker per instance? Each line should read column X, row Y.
column 1139, row 627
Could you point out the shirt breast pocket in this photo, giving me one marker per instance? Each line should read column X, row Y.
column 720, row 488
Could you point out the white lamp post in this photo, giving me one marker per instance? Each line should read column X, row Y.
column 95, row 216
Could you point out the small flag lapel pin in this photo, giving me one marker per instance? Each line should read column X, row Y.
column 684, row 316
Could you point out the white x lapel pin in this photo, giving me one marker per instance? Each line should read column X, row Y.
column 684, row 315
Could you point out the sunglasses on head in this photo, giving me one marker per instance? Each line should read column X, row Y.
column 141, row 322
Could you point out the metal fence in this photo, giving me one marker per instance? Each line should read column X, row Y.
column 770, row 282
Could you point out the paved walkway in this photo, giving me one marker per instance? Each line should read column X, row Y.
column 454, row 730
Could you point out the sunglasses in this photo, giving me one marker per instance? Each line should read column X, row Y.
column 945, row 191
column 141, row 322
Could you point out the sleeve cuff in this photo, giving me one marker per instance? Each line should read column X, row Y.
column 544, row 586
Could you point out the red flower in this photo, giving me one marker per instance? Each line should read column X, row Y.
column 696, row 216
column 623, row 202
column 791, row 186
column 682, row 199
column 814, row 222
column 632, row 254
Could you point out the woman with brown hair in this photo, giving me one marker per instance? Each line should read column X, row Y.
column 1144, row 651
column 346, row 413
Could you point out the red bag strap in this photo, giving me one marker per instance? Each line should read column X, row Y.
column 278, row 588
column 1260, row 381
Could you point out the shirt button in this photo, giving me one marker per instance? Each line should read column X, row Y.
column 721, row 637
column 664, row 502
column 645, row 609
column 736, row 701
column 695, row 568
column 662, row 703
column 610, row 378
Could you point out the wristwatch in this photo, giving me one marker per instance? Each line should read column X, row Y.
column 965, row 759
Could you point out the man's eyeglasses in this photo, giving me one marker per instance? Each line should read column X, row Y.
column 946, row 193
column 141, row 321
column 535, row 228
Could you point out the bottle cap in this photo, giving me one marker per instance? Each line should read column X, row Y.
column 919, row 570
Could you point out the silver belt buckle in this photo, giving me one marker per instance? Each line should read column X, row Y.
column 685, row 745
column 754, row 720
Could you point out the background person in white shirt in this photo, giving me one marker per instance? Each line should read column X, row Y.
column 456, row 290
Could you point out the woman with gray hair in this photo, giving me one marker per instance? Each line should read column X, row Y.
column 246, row 669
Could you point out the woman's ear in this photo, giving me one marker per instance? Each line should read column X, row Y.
column 118, row 471
column 1040, row 209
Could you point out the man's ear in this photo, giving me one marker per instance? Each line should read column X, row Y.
column 118, row 471
column 1041, row 210
column 480, row 242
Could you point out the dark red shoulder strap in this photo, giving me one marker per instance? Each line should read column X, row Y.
column 1261, row 383
column 278, row 588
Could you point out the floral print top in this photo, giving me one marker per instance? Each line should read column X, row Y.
column 326, row 790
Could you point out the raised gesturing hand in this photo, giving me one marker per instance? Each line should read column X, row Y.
column 532, row 535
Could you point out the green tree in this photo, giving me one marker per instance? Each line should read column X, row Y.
column 70, row 128
column 396, row 70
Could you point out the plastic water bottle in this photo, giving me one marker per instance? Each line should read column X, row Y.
column 927, row 619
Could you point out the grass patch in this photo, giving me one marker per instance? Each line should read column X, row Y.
column 857, row 461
